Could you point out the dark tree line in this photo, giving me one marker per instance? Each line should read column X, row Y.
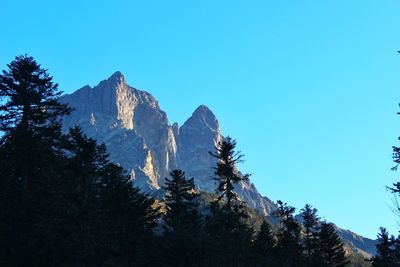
column 388, row 247
column 63, row 203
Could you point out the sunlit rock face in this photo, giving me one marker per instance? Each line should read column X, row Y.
column 139, row 137
column 198, row 136
column 131, row 124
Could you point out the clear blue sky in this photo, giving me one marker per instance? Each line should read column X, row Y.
column 308, row 88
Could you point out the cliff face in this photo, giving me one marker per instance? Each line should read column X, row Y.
column 139, row 137
column 199, row 135
column 130, row 123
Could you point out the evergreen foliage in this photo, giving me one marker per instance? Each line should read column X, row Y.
column 385, row 251
column 63, row 203
column 264, row 246
column 311, row 229
column 28, row 97
column 330, row 249
column 227, row 227
column 183, row 226
column 227, row 175
column 289, row 250
column 181, row 203
column 388, row 248
column 30, row 159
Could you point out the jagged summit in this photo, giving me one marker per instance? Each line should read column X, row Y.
column 116, row 75
column 204, row 112
column 116, row 80
column 131, row 124
column 139, row 137
column 202, row 117
column 202, row 109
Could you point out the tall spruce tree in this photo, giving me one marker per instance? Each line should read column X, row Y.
column 30, row 160
column 311, row 228
column 228, row 233
column 396, row 250
column 395, row 188
column 29, row 115
column 227, row 175
column 80, row 220
column 385, row 251
column 107, row 221
column 289, row 249
column 29, row 97
column 264, row 246
column 330, row 247
column 62, row 202
column 182, row 221
column 181, row 204
column 388, row 249
column 128, row 219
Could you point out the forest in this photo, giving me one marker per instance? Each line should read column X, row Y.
column 64, row 203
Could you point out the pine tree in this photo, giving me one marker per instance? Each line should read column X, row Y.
column 79, row 199
column 265, row 240
column 264, row 246
column 395, row 250
column 29, row 115
column 182, row 221
column 228, row 234
column 395, row 188
column 289, row 250
column 107, row 220
column 30, row 157
column 180, row 202
column 29, row 96
column 385, row 254
column 128, row 219
column 310, row 223
column 227, row 175
column 227, row 240
column 330, row 247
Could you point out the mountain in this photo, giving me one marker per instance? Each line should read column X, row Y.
column 358, row 244
column 140, row 138
column 131, row 124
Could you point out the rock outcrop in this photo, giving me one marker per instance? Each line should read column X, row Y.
column 139, row 137
column 131, row 124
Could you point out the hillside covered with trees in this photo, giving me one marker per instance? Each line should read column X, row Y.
column 64, row 203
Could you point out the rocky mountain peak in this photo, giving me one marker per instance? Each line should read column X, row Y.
column 109, row 85
column 116, row 75
column 202, row 118
column 139, row 138
column 132, row 125
column 115, row 79
column 202, row 109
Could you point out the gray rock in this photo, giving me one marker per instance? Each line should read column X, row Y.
column 131, row 124
column 139, row 137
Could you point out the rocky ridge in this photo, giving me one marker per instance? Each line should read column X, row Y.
column 140, row 138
